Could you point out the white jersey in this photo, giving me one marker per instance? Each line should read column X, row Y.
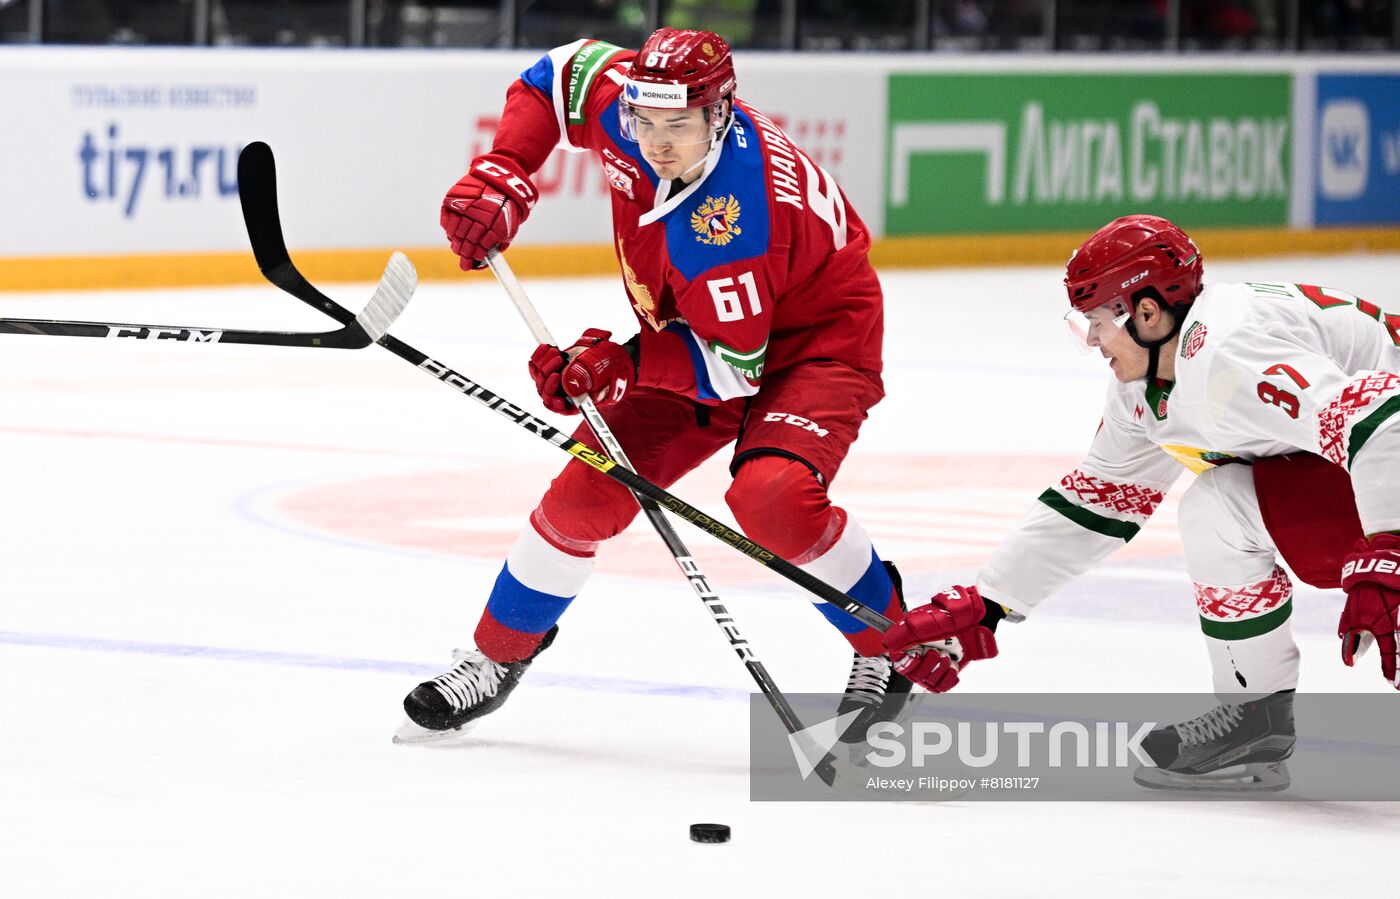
column 1261, row 370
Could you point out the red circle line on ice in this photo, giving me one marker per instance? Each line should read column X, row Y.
column 924, row 512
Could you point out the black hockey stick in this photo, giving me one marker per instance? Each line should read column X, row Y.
column 392, row 294
column 257, row 180
column 687, row 564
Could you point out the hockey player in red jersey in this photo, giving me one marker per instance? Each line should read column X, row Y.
column 1283, row 400
column 760, row 321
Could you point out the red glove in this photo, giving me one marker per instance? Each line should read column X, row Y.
column 594, row 366
column 934, row 642
column 1371, row 577
column 485, row 209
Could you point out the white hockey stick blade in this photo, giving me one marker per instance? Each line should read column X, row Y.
column 395, row 289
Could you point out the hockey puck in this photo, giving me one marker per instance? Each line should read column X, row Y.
column 709, row 833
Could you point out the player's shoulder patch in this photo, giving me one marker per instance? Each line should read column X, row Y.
column 567, row 75
column 581, row 72
column 1193, row 339
column 1221, row 312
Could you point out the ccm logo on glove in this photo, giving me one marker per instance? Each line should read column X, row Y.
column 484, row 209
column 505, row 178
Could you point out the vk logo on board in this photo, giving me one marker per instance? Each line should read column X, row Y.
column 1344, row 147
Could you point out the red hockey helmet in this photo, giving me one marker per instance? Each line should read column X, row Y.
column 1132, row 257
column 680, row 69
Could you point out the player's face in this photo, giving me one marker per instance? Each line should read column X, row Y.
column 673, row 141
column 1105, row 331
column 1125, row 357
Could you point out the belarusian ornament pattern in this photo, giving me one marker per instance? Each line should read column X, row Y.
column 1130, row 499
column 1332, row 421
column 1249, row 601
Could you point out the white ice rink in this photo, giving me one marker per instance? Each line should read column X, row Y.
column 223, row 567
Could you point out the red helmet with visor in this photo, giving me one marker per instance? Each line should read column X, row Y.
column 1130, row 258
column 680, row 69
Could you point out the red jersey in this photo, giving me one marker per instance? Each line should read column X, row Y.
column 757, row 266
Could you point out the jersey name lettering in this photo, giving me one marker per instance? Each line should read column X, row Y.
column 1326, row 298
column 784, row 159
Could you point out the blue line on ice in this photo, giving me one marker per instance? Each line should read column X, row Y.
column 349, row 663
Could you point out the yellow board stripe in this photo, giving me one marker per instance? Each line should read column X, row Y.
column 569, row 260
column 319, row 266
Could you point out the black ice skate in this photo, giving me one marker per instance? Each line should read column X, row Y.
column 442, row 708
column 874, row 687
column 880, row 692
column 1230, row 748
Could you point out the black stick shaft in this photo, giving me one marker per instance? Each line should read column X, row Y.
column 350, row 337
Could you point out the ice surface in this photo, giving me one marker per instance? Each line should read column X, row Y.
column 223, row 567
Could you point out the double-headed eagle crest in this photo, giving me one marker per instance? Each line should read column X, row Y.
column 716, row 221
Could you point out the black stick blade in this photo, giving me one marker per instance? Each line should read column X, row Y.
column 257, row 193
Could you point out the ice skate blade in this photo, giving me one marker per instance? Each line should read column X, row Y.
column 410, row 733
column 1252, row 778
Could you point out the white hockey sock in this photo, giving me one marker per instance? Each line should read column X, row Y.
column 1248, row 635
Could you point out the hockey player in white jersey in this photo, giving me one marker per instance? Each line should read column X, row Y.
column 1283, row 400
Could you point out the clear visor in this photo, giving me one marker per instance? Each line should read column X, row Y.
column 670, row 127
column 1098, row 326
